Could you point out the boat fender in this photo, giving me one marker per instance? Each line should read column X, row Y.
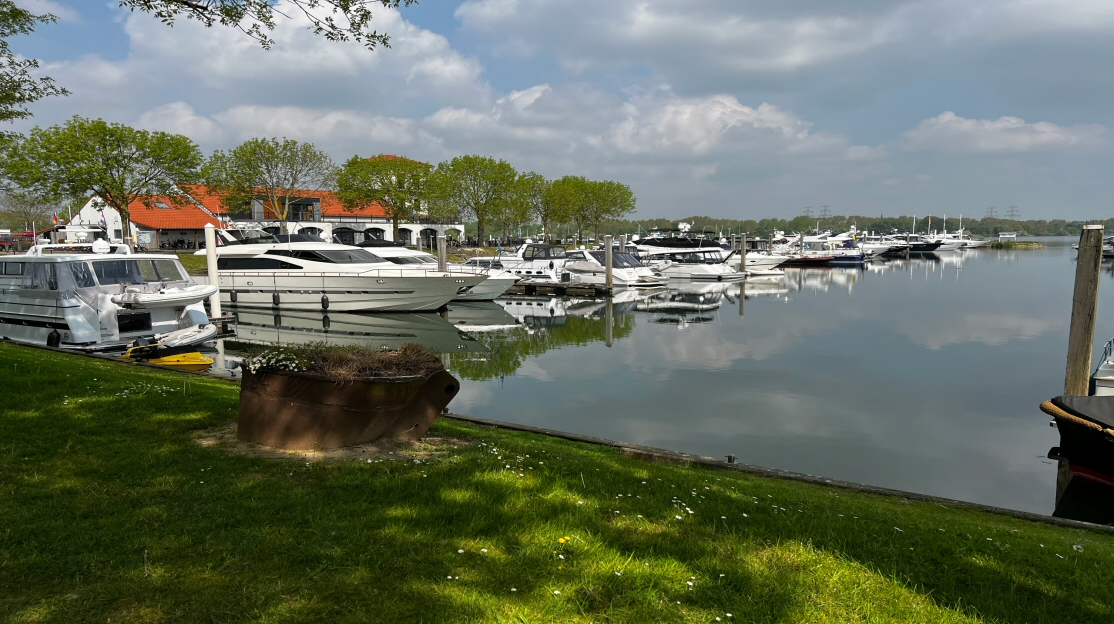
column 278, row 321
column 325, row 322
column 53, row 339
column 275, row 299
column 719, row 278
column 324, row 302
column 232, row 296
column 551, row 265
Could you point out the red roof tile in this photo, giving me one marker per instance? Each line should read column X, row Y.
column 161, row 213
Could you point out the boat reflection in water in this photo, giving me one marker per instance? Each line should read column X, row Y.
column 377, row 331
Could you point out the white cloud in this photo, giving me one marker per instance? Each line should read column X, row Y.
column 53, row 7
column 950, row 132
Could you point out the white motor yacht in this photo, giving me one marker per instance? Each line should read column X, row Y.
column 498, row 281
column 587, row 267
column 302, row 275
column 100, row 297
column 696, row 264
column 539, row 262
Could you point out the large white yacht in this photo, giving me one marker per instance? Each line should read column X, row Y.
column 498, row 281
column 99, row 297
column 256, row 270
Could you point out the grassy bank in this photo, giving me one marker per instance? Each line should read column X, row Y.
column 99, row 464
column 194, row 265
column 1016, row 245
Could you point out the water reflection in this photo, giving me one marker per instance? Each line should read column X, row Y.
column 919, row 373
column 378, row 331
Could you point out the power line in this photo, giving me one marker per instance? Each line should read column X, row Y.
column 824, row 212
column 992, row 213
column 1013, row 213
column 808, row 211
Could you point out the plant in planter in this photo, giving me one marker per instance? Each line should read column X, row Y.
column 320, row 397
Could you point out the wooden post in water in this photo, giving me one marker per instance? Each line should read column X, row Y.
column 607, row 258
column 743, row 258
column 1084, row 309
column 442, row 255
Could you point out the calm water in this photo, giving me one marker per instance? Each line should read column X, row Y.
column 921, row 375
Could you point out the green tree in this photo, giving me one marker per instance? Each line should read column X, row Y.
column 536, row 192
column 336, row 20
column 25, row 209
column 18, row 87
column 114, row 163
column 569, row 197
column 399, row 185
column 476, row 187
column 610, row 200
column 280, row 172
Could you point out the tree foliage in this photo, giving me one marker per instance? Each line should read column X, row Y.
column 399, row 185
column 23, row 209
column 278, row 171
column 475, row 187
column 336, row 20
column 18, row 87
column 114, row 163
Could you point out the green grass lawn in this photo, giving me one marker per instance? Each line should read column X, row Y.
column 99, row 464
column 194, row 265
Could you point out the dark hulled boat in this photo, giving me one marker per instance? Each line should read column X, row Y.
column 1085, row 454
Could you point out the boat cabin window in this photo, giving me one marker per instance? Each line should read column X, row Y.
column 406, row 260
column 136, row 271
column 575, row 255
column 13, row 268
column 331, row 256
column 82, row 275
column 543, row 252
column 41, row 276
column 254, row 264
column 486, row 263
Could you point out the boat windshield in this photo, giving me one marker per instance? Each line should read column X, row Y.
column 249, row 237
column 618, row 260
column 136, row 271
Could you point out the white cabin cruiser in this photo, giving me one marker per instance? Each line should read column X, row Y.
column 587, row 267
column 533, row 261
column 704, row 264
column 100, row 297
column 321, row 276
column 497, row 282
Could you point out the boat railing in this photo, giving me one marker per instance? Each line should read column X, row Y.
column 1107, row 352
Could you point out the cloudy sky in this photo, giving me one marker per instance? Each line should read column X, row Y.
column 727, row 108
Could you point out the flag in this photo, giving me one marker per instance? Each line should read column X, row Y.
column 56, row 218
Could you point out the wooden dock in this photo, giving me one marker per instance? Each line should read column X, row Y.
column 559, row 289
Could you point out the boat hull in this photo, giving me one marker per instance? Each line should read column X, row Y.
column 341, row 292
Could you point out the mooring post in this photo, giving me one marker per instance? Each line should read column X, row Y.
column 743, row 252
column 607, row 258
column 442, row 254
column 211, row 266
column 1084, row 309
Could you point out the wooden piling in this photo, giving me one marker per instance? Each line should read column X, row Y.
column 442, row 254
column 1084, row 309
column 607, row 257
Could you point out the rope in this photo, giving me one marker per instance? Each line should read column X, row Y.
column 1052, row 410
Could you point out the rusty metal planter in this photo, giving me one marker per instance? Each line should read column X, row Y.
column 301, row 411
